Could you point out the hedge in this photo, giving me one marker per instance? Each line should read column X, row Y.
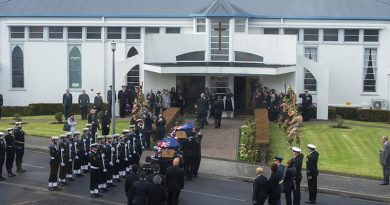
column 349, row 113
column 39, row 109
column 248, row 149
column 373, row 115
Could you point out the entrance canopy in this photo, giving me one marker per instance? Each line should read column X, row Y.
column 219, row 68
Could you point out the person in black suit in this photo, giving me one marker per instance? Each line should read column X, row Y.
column 160, row 127
column 175, row 182
column 218, row 109
column 1, row 103
column 260, row 187
column 147, row 128
column 122, row 98
column 67, row 102
column 307, row 101
column 130, row 179
column 19, row 144
column 385, row 159
column 189, row 149
column 83, row 103
column 157, row 194
column 10, row 151
column 312, row 173
column 139, row 192
column 98, row 102
column 156, row 171
column 288, row 181
column 202, row 105
column 106, row 122
column 109, row 99
column 274, row 186
column 297, row 161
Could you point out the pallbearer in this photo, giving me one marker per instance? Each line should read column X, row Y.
column 77, row 147
column 64, row 157
column 110, row 155
column 54, row 164
column 94, row 176
column 84, row 149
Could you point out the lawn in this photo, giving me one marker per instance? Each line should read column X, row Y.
column 43, row 125
column 353, row 151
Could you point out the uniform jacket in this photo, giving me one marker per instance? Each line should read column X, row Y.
column 10, row 141
column 2, row 149
column 307, row 100
column 297, row 162
column 19, row 137
column 274, row 186
column 260, row 188
column 202, row 105
column 54, row 153
column 130, row 179
column 83, row 100
column 288, row 181
column 139, row 192
column 157, row 195
column 98, row 102
column 67, row 99
column 311, row 163
column 218, row 107
column 160, row 124
column 175, row 178
column 122, row 96
column 147, row 123
column 109, row 96
column 385, row 154
column 147, row 168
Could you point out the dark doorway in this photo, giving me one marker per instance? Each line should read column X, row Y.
column 239, row 92
column 192, row 87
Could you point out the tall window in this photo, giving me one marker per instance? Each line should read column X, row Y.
column 271, row 31
column 133, row 76
column 94, row 32
column 17, row 32
column 219, row 39
column 310, row 34
column 152, row 30
column 371, row 35
column 56, row 32
column 36, row 32
column 370, row 68
column 132, row 52
column 310, row 82
column 75, row 32
column 74, row 67
column 133, row 33
column 239, row 25
column 331, row 35
column 292, row 31
column 351, row 35
column 200, row 25
column 17, row 68
column 114, row 33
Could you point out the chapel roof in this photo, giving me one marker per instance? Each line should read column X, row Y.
column 263, row 9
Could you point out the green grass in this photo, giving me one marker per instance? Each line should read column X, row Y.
column 352, row 151
column 43, row 125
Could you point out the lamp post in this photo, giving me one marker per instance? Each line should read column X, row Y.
column 113, row 100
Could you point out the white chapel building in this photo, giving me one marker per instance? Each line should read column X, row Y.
column 339, row 50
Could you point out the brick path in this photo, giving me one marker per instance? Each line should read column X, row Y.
column 222, row 143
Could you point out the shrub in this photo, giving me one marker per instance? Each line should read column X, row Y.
column 58, row 117
column 331, row 113
column 349, row 113
column 9, row 111
column 374, row 115
column 340, row 121
column 17, row 117
column 248, row 149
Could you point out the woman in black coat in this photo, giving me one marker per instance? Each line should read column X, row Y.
column 157, row 193
column 106, row 121
column 274, row 188
column 160, row 127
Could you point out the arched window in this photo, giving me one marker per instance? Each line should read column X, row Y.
column 309, row 82
column 75, row 68
column 133, row 77
column 17, row 68
column 132, row 52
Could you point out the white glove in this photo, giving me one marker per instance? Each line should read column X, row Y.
column 103, row 155
column 111, row 164
column 112, row 149
column 62, row 149
column 86, row 154
column 104, row 170
column 52, row 158
column 76, row 157
column 62, row 164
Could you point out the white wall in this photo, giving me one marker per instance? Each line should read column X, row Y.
column 277, row 82
column 156, row 82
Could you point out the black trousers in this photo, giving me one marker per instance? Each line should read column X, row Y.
column 67, row 111
column 146, row 135
column 19, row 156
column 0, row 112
column 83, row 113
column 189, row 166
column 94, row 177
column 2, row 160
column 306, row 113
column 54, row 165
column 173, row 197
column 122, row 109
column 77, row 164
column 196, row 166
column 312, row 185
column 68, row 167
column 202, row 119
column 9, row 160
column 62, row 174
column 160, row 134
column 297, row 191
column 105, row 130
column 217, row 120
column 287, row 195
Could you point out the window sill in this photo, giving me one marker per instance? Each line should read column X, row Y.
column 369, row 94
column 75, row 89
column 17, row 89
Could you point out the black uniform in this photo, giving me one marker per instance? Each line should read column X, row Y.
column 19, row 144
column 69, row 163
column 197, row 157
column 260, row 188
column 84, row 149
column 307, row 101
column 1, row 103
column 2, row 156
column 93, row 119
column 312, row 173
column 160, row 128
column 103, row 168
column 289, row 183
column 274, row 189
column 297, row 161
column 54, row 164
column 84, row 102
column 98, row 103
column 122, row 98
column 10, row 152
column 189, row 151
column 218, row 109
column 147, row 129
column 95, row 160
column 78, row 159
column 175, row 183
column 64, row 157
column 202, row 106
column 106, row 121
column 110, row 166
column 67, row 100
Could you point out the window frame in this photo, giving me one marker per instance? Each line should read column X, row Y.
column 75, row 33
column 112, row 35
column 375, row 72
column 292, row 29
column 35, row 35
column 330, row 35
column 271, row 29
column 200, row 25
column 13, row 47
column 97, row 32
column 366, row 36
column 56, row 32
column 352, row 36
column 152, row 30
column 128, row 33
column 307, row 35
column 173, row 29
column 17, row 32
column 70, row 48
column 240, row 25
